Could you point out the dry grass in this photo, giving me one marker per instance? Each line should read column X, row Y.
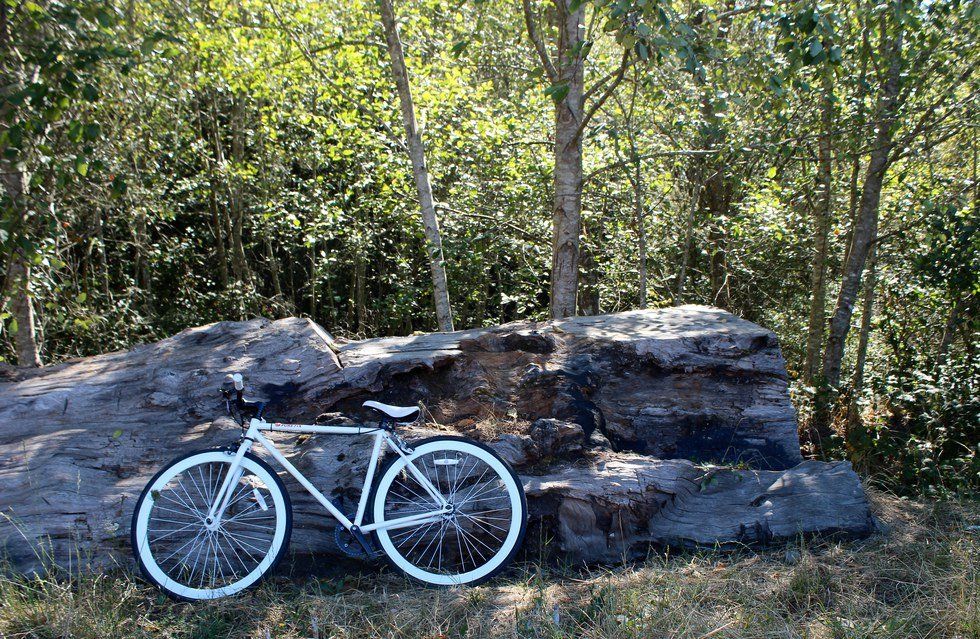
column 919, row 579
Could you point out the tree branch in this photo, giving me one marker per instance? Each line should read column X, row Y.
column 532, row 33
column 645, row 156
column 315, row 66
column 620, row 74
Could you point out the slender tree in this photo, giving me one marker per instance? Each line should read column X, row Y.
column 416, row 151
column 574, row 108
column 822, row 214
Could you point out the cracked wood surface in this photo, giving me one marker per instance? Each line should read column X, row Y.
column 602, row 416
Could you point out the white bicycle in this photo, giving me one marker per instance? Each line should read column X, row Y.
column 445, row 510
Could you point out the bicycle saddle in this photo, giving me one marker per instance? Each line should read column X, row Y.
column 401, row 414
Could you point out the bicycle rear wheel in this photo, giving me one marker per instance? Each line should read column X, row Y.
column 172, row 544
column 474, row 542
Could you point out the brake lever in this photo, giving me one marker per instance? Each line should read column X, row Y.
column 227, row 396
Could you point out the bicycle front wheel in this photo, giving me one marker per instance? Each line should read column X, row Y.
column 472, row 543
column 175, row 548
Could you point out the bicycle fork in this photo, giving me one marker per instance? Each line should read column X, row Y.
column 213, row 519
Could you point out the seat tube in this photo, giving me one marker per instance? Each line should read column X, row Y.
column 379, row 442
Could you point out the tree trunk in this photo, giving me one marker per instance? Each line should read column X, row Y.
column 662, row 385
column 858, row 142
column 567, row 211
column 143, row 274
column 588, row 297
column 822, row 213
column 688, row 246
column 717, row 201
column 416, row 150
column 639, row 218
column 313, row 278
column 15, row 183
column 239, row 263
column 867, row 311
column 22, row 309
column 360, row 292
column 213, row 207
column 864, row 233
column 720, row 292
column 102, row 257
column 949, row 329
column 270, row 256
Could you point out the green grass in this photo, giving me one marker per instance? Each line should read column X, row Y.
column 918, row 579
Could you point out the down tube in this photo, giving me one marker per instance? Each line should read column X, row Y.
column 304, row 482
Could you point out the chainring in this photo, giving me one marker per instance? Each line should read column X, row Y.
column 347, row 543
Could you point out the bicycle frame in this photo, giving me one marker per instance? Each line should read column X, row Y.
column 253, row 435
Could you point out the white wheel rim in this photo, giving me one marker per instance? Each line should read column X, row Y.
column 515, row 523
column 145, row 551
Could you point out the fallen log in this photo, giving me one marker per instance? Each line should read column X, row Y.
column 602, row 416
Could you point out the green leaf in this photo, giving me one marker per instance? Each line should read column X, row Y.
column 771, row 173
column 81, row 297
column 117, row 433
column 460, row 47
column 148, row 44
column 81, row 166
column 557, row 92
column 75, row 131
column 90, row 93
column 92, row 131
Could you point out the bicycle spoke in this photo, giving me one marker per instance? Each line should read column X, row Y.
column 471, row 535
column 190, row 554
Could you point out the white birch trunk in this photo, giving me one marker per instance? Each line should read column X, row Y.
column 567, row 211
column 416, row 150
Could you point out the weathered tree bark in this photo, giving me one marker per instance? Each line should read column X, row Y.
column 416, row 151
column 602, row 403
column 864, row 231
column 822, row 213
column 617, row 506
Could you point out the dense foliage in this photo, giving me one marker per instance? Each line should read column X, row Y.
column 170, row 163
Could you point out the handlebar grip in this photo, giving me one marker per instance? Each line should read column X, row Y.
column 237, row 380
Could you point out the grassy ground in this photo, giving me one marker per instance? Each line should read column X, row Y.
column 918, row 579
